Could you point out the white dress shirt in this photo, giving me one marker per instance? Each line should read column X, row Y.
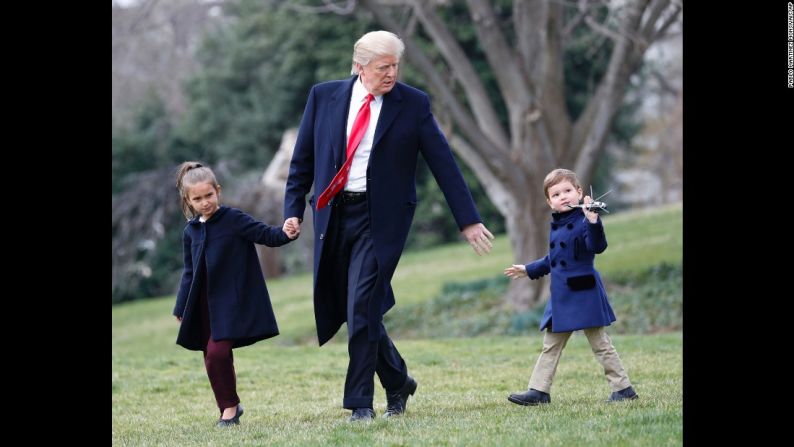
column 357, row 179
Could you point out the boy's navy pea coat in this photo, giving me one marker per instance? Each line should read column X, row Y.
column 239, row 305
column 578, row 299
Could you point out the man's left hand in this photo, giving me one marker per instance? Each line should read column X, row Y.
column 478, row 237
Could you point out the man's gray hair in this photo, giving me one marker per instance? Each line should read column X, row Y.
column 375, row 44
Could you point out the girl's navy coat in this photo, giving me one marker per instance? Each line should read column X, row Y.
column 578, row 299
column 239, row 304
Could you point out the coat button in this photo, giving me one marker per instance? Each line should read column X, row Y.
column 562, row 263
column 562, row 244
column 553, row 227
column 551, row 245
column 554, row 263
column 570, row 226
column 322, row 235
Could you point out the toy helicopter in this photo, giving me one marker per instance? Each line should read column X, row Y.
column 595, row 205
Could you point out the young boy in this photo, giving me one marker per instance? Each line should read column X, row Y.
column 578, row 299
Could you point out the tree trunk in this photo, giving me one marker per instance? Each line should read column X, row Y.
column 269, row 261
column 511, row 159
column 527, row 227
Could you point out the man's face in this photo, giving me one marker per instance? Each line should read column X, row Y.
column 380, row 74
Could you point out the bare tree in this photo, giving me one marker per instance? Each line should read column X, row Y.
column 139, row 225
column 511, row 161
column 153, row 48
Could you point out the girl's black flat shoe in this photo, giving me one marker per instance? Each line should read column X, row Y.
column 233, row 421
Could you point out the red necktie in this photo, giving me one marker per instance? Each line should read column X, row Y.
column 356, row 134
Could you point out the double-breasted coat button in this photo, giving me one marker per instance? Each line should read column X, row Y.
column 553, row 227
column 562, row 244
column 553, row 263
column 570, row 226
column 562, row 263
column 551, row 245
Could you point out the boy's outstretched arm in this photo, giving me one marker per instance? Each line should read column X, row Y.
column 516, row 271
column 538, row 268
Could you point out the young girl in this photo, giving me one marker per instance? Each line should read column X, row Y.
column 578, row 299
column 222, row 301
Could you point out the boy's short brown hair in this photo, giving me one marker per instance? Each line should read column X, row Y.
column 559, row 175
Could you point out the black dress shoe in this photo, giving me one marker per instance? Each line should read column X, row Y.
column 398, row 400
column 531, row 397
column 624, row 394
column 233, row 421
column 362, row 414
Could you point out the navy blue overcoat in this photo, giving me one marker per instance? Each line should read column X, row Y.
column 239, row 305
column 578, row 299
column 405, row 128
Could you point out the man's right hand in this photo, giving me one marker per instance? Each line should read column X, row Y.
column 478, row 237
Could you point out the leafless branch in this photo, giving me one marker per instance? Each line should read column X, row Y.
column 655, row 9
column 667, row 23
column 500, row 56
column 480, row 103
column 495, row 187
column 601, row 29
column 584, row 11
column 342, row 8
column 144, row 11
column 664, row 85
column 592, row 126
column 463, row 119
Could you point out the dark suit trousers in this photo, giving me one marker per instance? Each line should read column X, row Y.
column 353, row 270
column 218, row 358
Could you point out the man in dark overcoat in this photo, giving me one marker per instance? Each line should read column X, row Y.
column 364, row 204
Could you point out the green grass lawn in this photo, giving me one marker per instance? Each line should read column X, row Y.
column 292, row 395
column 292, row 392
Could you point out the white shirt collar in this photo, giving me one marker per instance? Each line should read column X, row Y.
column 360, row 92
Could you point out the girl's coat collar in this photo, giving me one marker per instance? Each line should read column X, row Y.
column 221, row 211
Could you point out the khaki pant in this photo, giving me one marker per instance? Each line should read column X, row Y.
column 553, row 344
